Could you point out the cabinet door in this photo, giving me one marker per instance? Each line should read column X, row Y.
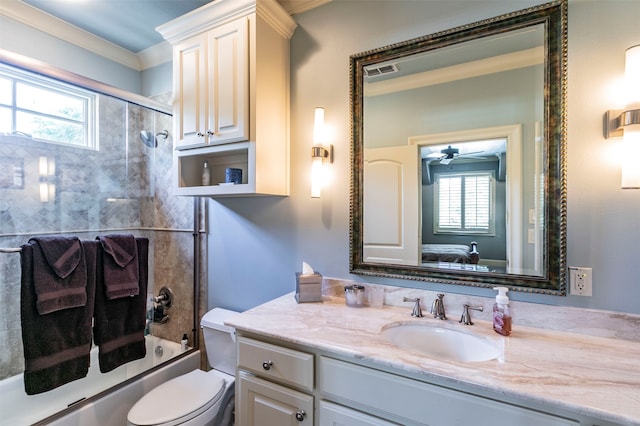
column 262, row 403
column 337, row 415
column 189, row 75
column 228, row 83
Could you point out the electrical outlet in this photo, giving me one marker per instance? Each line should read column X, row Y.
column 580, row 281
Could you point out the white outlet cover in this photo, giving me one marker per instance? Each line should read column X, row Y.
column 580, row 283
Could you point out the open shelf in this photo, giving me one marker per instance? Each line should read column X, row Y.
column 189, row 165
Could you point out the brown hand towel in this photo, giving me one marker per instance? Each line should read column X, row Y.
column 56, row 345
column 119, row 323
column 59, row 273
column 120, row 265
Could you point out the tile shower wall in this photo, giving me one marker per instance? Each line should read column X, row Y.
column 122, row 187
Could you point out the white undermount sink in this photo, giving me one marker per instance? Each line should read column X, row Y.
column 440, row 342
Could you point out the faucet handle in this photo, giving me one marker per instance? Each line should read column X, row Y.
column 437, row 308
column 417, row 311
column 466, row 317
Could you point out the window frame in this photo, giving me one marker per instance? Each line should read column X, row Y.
column 89, row 100
column 462, row 230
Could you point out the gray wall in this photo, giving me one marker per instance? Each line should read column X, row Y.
column 256, row 245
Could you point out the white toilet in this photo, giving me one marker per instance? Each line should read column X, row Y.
column 197, row 398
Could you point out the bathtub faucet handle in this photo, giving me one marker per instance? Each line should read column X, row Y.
column 164, row 298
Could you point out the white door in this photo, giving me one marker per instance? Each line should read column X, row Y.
column 392, row 226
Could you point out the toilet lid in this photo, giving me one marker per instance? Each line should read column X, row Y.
column 177, row 398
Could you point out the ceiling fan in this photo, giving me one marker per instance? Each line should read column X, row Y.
column 448, row 154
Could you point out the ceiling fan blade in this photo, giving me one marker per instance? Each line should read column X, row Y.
column 468, row 154
column 446, row 161
column 434, row 155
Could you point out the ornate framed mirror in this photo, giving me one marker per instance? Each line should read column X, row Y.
column 458, row 155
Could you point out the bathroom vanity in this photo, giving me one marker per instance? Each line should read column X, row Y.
column 326, row 364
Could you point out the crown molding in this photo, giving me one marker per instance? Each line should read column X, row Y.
column 41, row 21
column 295, row 7
column 221, row 12
column 160, row 53
column 155, row 55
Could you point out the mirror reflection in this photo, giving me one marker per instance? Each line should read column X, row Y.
column 457, row 137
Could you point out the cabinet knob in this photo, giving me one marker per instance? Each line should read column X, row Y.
column 210, row 133
column 200, row 134
column 300, row 415
column 267, row 365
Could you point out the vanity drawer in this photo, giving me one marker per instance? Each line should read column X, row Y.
column 412, row 402
column 276, row 363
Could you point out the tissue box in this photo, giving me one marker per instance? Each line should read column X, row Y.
column 308, row 287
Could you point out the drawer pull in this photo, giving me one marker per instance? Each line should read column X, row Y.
column 200, row 134
column 267, row 365
column 210, row 133
column 300, row 415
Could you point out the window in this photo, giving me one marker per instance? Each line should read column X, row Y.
column 464, row 203
column 46, row 109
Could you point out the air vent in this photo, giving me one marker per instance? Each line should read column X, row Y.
column 376, row 70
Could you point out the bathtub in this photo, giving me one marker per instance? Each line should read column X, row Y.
column 18, row 408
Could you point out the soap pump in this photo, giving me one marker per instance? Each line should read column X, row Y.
column 502, row 312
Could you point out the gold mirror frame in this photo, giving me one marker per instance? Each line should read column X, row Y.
column 553, row 280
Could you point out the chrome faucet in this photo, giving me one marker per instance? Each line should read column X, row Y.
column 417, row 311
column 437, row 308
column 466, row 317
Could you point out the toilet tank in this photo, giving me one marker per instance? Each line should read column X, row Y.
column 219, row 340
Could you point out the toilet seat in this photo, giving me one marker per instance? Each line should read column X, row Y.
column 178, row 400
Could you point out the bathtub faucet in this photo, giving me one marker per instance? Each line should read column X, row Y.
column 165, row 297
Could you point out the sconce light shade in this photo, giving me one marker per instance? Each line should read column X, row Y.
column 631, row 157
column 632, row 76
column 319, row 153
column 626, row 123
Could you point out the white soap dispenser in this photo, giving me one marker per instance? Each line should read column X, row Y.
column 502, row 312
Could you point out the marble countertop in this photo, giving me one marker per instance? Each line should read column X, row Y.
column 592, row 376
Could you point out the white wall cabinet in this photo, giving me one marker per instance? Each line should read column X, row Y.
column 277, row 381
column 231, row 97
column 211, row 87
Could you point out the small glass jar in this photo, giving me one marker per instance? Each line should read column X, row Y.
column 354, row 295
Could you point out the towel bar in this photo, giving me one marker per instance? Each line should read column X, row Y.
column 10, row 249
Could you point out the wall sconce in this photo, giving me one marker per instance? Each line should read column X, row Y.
column 626, row 123
column 46, row 172
column 319, row 153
